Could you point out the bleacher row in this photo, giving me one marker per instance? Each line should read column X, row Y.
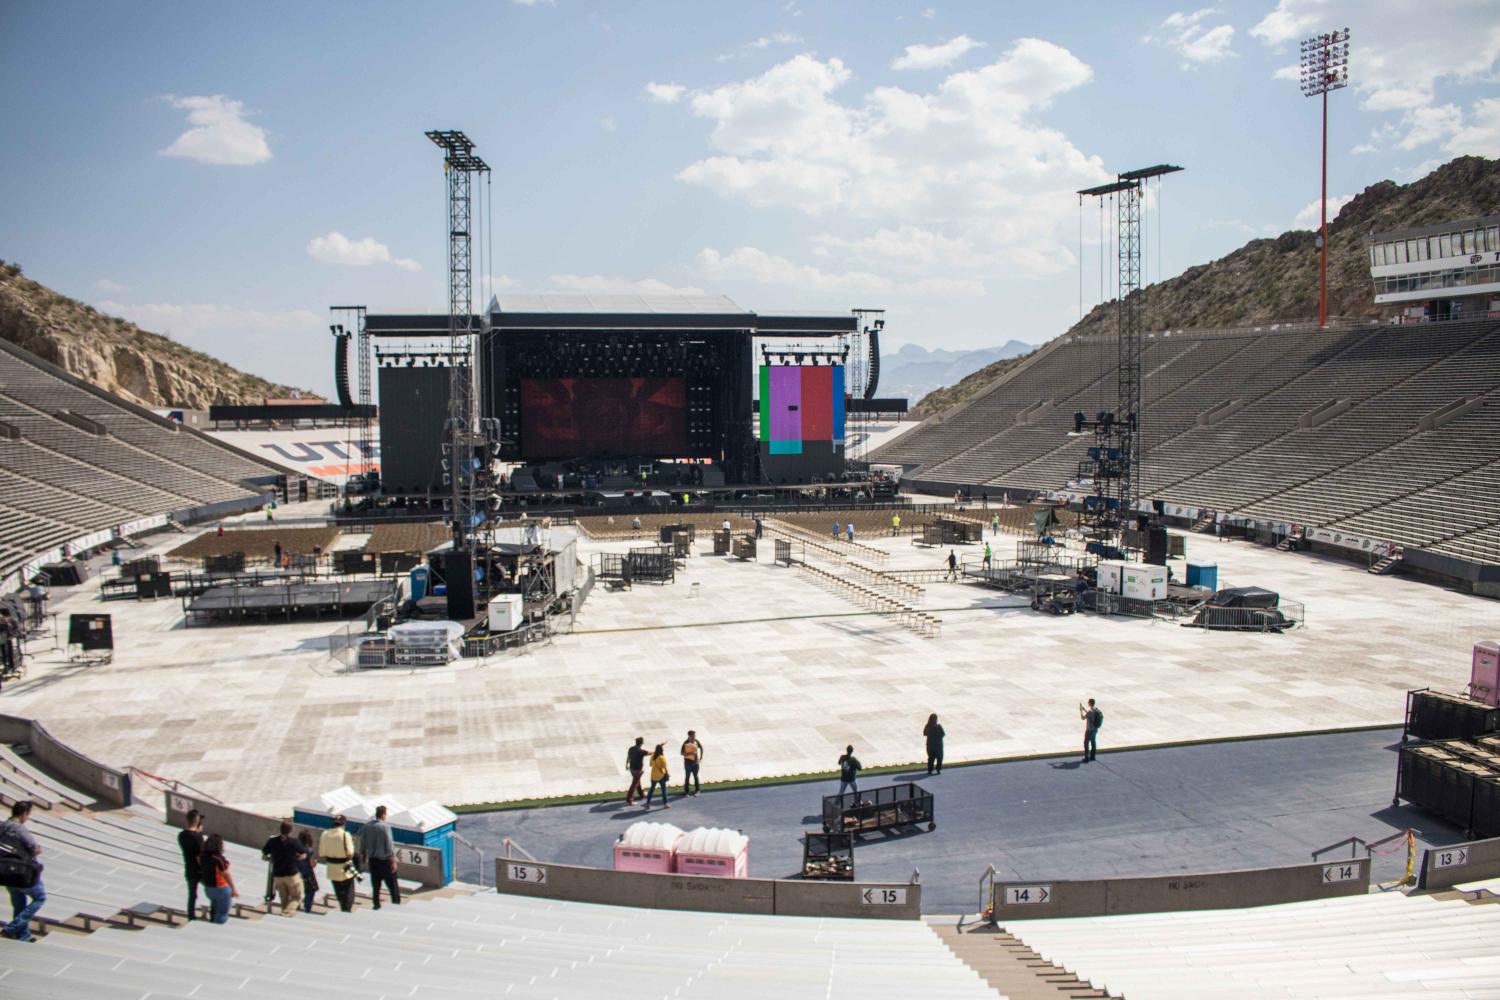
column 1320, row 428
column 60, row 481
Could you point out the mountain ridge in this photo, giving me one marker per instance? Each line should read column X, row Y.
column 116, row 355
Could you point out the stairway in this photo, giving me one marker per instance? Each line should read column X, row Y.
column 1203, row 523
column 1012, row 968
column 1386, row 566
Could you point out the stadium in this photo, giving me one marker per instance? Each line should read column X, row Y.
column 453, row 611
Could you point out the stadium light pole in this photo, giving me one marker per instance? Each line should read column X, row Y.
column 1324, row 67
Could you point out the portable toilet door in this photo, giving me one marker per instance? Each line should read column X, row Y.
column 430, row 824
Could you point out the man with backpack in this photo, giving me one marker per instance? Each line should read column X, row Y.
column 849, row 768
column 22, row 870
column 1093, row 718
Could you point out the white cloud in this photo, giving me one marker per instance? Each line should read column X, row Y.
column 1190, row 37
column 665, row 93
column 533, row 3
column 929, row 12
column 936, row 56
column 196, row 321
column 336, row 248
column 1400, row 55
column 1481, row 133
column 968, row 160
column 105, row 285
column 756, row 265
column 779, row 38
column 1308, row 218
column 607, row 123
column 220, row 135
column 599, row 284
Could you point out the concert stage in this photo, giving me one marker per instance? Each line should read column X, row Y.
column 609, row 386
column 241, row 602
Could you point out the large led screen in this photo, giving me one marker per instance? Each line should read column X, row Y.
column 801, row 403
column 603, row 417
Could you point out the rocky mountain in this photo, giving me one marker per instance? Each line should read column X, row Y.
column 116, row 355
column 914, row 371
column 1276, row 280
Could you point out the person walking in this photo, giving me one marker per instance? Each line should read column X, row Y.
column 836, row 529
column 16, row 842
column 760, row 528
column 1092, row 718
column 218, row 883
column 849, row 768
column 692, row 756
column 377, row 850
column 336, row 848
column 659, row 776
column 850, row 529
column 277, row 549
column 995, row 523
column 895, row 525
column 282, row 851
column 952, row 573
column 190, row 843
column 987, row 557
column 635, row 763
column 934, row 735
column 307, row 867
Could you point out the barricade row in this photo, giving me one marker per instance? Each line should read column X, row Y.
column 926, row 625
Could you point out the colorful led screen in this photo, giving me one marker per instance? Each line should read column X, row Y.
column 603, row 417
column 801, row 403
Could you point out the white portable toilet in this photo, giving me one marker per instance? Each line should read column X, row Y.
column 1111, row 573
column 1144, row 582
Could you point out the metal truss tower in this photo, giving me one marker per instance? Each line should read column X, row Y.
column 466, row 458
column 1115, row 462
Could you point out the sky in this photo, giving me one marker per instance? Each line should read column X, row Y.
column 223, row 173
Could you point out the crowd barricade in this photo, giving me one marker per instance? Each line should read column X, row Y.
column 924, row 624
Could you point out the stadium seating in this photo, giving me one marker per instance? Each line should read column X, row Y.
column 1436, row 947
column 60, row 480
column 1372, row 430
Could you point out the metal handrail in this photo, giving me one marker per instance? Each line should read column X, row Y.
column 477, row 853
column 1353, row 843
column 172, row 784
column 508, row 845
column 986, row 898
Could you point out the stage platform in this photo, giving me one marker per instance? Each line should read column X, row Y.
column 271, row 601
column 775, row 673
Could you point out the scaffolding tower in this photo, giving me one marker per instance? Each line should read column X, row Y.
column 465, row 451
column 1114, row 462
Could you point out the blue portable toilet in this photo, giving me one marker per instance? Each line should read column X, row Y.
column 318, row 811
column 428, row 825
column 419, row 582
column 1203, row 576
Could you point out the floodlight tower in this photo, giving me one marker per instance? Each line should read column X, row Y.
column 464, row 440
column 1115, row 462
column 1325, row 68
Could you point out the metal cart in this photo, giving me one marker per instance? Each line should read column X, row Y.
column 886, row 808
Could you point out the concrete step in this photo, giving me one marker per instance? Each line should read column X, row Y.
column 1010, row 967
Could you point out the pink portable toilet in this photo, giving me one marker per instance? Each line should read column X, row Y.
column 647, row 847
column 1484, row 677
column 708, row 851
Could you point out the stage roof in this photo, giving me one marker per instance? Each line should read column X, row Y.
column 650, row 311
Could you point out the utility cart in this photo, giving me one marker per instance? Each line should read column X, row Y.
column 886, row 808
column 828, row 856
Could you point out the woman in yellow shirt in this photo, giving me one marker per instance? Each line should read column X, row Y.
column 659, row 776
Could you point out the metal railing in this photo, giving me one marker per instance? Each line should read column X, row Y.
column 462, row 840
column 170, row 784
column 508, row 845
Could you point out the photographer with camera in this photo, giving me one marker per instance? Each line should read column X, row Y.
column 336, row 848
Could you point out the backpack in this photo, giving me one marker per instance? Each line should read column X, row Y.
column 1098, row 718
column 16, row 870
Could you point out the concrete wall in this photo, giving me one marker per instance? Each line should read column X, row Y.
column 1447, row 866
column 784, row 897
column 1039, row 898
column 107, row 784
column 415, row 864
